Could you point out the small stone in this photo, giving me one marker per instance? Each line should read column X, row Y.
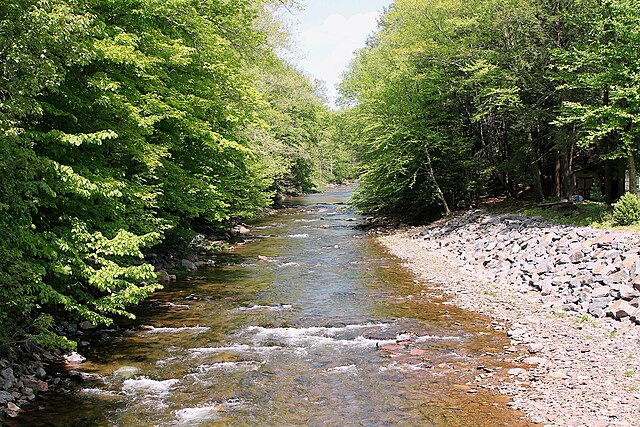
column 163, row 276
column 5, row 397
column 632, row 264
column 188, row 265
column 558, row 375
column 516, row 333
column 602, row 291
column 86, row 325
column 535, row 348
column 620, row 309
column 85, row 376
column 417, row 352
column 621, row 277
column 597, row 312
column 74, row 358
column 7, row 375
column 534, row 361
column 516, row 371
column 13, row 407
column 627, row 293
column 576, row 257
column 126, row 371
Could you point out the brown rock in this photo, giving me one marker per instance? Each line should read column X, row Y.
column 163, row 276
column 13, row 407
column 627, row 292
column 632, row 264
column 621, row 309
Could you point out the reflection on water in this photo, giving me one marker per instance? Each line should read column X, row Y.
column 310, row 324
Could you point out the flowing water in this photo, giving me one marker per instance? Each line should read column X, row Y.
column 310, row 324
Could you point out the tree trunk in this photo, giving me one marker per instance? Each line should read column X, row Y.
column 447, row 211
column 558, row 175
column 608, row 183
column 537, row 174
column 503, row 181
column 564, row 188
column 633, row 175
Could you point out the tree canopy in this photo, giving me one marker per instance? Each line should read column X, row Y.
column 455, row 99
column 129, row 123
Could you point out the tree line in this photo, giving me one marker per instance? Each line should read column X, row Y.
column 128, row 124
column 453, row 99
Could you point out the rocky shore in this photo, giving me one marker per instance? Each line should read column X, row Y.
column 566, row 296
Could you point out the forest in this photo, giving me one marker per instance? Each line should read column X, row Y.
column 128, row 124
column 132, row 124
column 452, row 100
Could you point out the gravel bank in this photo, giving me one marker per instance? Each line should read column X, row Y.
column 583, row 370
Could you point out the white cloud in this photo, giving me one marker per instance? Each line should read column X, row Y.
column 330, row 45
column 339, row 29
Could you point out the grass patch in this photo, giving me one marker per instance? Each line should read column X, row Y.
column 587, row 214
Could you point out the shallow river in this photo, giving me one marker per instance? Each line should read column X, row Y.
column 310, row 324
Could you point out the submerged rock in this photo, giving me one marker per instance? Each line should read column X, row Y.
column 188, row 265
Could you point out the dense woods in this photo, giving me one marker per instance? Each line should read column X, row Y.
column 128, row 124
column 451, row 100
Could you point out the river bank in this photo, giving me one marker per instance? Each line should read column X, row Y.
column 307, row 323
column 584, row 368
column 29, row 370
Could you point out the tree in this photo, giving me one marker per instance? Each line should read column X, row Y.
column 604, row 65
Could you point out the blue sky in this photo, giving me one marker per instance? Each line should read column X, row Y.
column 327, row 32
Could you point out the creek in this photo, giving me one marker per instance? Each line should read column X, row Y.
column 309, row 323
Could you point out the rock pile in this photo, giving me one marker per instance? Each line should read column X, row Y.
column 577, row 268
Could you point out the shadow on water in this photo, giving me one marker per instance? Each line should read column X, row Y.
column 311, row 324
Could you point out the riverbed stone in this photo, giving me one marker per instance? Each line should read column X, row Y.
column 620, row 309
column 5, row 397
column 74, row 358
column 188, row 265
column 163, row 276
column 8, row 375
column 627, row 292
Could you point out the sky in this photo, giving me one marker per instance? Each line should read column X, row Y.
column 327, row 32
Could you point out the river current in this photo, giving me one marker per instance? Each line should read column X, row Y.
column 310, row 323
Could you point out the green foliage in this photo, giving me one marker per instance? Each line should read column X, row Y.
column 626, row 211
column 44, row 336
column 124, row 122
column 452, row 99
column 587, row 214
column 293, row 139
column 595, row 194
column 603, row 65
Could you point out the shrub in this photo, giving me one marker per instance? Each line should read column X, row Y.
column 626, row 211
column 595, row 194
